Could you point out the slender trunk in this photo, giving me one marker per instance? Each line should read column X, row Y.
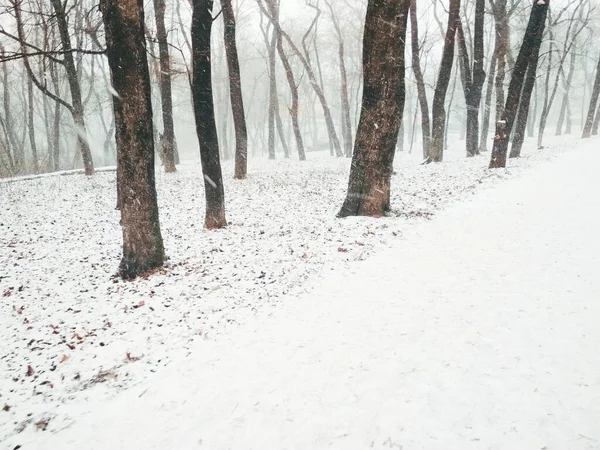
column 168, row 136
column 204, row 112
column 73, row 80
column 487, row 109
column 589, row 122
column 502, row 37
column 382, row 109
column 30, row 125
column 416, row 66
column 438, row 111
column 523, row 111
column 235, row 92
column 565, row 101
column 531, row 44
column 143, row 248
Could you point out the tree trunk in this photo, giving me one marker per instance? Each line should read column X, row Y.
column 204, row 112
column 564, row 107
column 311, row 76
column 525, row 102
column 438, row 111
column 531, row 44
column 502, row 38
column 31, row 127
column 168, row 137
column 382, row 109
column 274, row 14
column 589, row 122
column 416, row 66
column 487, row 109
column 345, row 100
column 126, row 51
column 74, row 86
column 473, row 81
column 235, row 92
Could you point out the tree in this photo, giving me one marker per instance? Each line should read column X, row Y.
column 168, row 137
column 235, row 92
column 204, row 114
column 587, row 129
column 416, row 66
column 530, row 46
column 126, row 51
column 474, row 78
column 438, row 110
column 382, row 109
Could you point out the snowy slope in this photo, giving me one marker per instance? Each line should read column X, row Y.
column 315, row 347
column 477, row 330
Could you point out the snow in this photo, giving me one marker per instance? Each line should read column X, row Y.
column 291, row 328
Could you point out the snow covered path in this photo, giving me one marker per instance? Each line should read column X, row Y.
column 477, row 330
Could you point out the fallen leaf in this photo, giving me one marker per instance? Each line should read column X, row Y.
column 29, row 371
column 6, row 408
column 63, row 358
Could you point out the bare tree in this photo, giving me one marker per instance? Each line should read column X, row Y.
column 382, row 109
column 126, row 51
column 168, row 136
column 530, row 46
column 204, row 113
column 235, row 91
column 438, row 109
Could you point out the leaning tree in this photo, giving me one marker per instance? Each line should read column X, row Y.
column 382, row 109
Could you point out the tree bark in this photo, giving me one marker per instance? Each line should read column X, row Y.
column 382, row 109
column 589, row 122
column 531, row 44
column 416, row 66
column 438, row 110
column 525, row 101
column 204, row 112
column 564, row 107
column 168, row 137
column 143, row 248
column 235, row 92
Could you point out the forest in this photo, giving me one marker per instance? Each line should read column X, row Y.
column 299, row 224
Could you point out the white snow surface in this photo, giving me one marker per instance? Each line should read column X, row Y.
column 475, row 330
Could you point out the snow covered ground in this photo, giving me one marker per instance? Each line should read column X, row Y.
column 475, row 330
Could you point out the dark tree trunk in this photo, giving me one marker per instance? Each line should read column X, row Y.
column 235, row 92
column 531, row 43
column 502, row 38
column 416, row 66
column 204, row 112
column 438, row 109
column 382, row 109
column 168, row 137
column 126, row 51
column 73, row 80
column 589, row 122
column 525, row 102
column 474, row 80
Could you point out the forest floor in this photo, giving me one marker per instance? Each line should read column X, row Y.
column 293, row 329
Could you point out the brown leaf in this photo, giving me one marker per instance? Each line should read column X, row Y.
column 132, row 358
column 63, row 358
column 29, row 371
column 342, row 250
column 6, row 408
